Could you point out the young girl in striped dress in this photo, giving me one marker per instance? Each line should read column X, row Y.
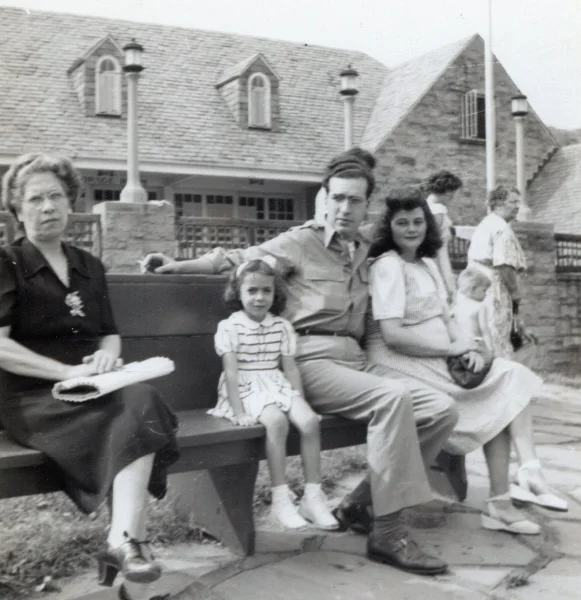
column 255, row 344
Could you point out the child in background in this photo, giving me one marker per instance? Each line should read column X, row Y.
column 470, row 311
column 255, row 343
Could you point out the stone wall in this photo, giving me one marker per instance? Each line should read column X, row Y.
column 567, row 347
column 429, row 138
column 539, row 288
column 132, row 230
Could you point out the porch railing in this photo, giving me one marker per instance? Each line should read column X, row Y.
column 568, row 253
column 196, row 236
column 458, row 251
column 83, row 231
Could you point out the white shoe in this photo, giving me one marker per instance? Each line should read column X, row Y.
column 522, row 491
column 285, row 513
column 495, row 521
column 314, row 508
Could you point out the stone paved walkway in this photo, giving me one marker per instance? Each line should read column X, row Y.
column 483, row 564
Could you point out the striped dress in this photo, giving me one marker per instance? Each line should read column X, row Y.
column 414, row 293
column 258, row 348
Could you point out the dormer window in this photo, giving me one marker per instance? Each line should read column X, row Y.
column 108, row 86
column 259, row 101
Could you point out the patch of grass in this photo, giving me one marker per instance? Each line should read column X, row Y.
column 48, row 535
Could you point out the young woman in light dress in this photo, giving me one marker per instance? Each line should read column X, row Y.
column 410, row 331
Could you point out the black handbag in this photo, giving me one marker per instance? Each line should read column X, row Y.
column 516, row 337
column 463, row 375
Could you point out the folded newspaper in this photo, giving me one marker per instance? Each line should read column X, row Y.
column 81, row 389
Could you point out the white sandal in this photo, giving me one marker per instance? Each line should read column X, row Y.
column 521, row 490
column 494, row 521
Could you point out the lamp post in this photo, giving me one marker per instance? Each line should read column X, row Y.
column 490, row 106
column 133, row 190
column 348, row 93
column 520, row 109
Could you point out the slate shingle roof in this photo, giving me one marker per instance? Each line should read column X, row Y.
column 403, row 87
column 555, row 193
column 183, row 117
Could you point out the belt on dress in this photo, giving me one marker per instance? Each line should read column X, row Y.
column 310, row 331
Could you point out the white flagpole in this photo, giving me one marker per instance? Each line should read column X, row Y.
column 490, row 106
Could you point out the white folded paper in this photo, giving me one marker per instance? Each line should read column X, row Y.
column 81, row 389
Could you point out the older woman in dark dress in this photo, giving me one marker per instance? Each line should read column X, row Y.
column 56, row 323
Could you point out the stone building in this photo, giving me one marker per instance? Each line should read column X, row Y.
column 241, row 127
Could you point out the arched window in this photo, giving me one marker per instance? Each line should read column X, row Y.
column 108, row 86
column 258, row 101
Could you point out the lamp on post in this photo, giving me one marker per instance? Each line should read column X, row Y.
column 348, row 93
column 520, row 109
column 133, row 190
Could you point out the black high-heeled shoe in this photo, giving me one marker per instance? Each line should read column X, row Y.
column 130, row 560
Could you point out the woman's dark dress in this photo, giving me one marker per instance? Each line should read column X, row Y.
column 92, row 441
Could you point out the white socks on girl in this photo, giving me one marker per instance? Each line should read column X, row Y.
column 313, row 508
column 284, row 511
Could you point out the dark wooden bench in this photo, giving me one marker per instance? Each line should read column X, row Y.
column 176, row 316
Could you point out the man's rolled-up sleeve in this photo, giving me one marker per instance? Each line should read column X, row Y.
column 284, row 248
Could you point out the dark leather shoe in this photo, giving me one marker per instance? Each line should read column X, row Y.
column 130, row 560
column 405, row 555
column 355, row 517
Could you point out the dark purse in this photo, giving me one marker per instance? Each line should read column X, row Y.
column 516, row 337
column 463, row 375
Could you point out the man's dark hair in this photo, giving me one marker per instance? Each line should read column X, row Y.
column 352, row 164
column 405, row 199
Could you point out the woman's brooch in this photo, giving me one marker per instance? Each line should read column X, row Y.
column 75, row 303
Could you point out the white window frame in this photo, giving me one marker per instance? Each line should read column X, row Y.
column 266, row 100
column 469, row 112
column 105, row 110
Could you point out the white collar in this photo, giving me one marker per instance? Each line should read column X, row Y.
column 242, row 318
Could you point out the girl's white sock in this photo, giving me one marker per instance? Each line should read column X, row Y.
column 280, row 492
column 312, row 489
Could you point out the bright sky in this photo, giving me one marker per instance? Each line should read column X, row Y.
column 537, row 41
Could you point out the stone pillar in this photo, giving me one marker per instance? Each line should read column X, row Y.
column 131, row 230
column 539, row 287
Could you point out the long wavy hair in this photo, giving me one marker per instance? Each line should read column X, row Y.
column 405, row 199
column 232, row 292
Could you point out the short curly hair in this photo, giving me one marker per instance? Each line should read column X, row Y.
column 232, row 291
column 442, row 182
column 497, row 197
column 352, row 164
column 405, row 199
column 27, row 165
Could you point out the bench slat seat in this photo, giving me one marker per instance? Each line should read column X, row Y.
column 202, row 439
